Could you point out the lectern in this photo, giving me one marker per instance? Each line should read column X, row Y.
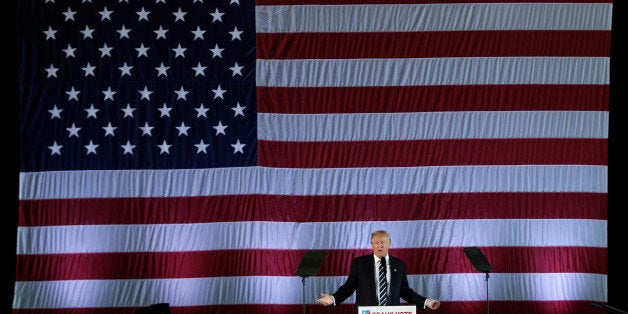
column 394, row 309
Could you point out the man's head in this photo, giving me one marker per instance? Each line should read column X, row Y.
column 380, row 241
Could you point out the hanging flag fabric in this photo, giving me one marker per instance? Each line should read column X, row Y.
column 157, row 137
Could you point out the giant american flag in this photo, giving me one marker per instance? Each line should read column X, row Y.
column 190, row 152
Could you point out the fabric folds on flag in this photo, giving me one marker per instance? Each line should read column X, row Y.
column 160, row 136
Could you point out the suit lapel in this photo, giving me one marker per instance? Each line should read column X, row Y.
column 394, row 270
column 371, row 271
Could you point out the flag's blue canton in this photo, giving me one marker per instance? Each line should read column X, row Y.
column 128, row 84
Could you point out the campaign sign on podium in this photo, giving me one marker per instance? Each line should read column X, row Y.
column 396, row 309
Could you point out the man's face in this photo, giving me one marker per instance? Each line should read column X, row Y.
column 380, row 244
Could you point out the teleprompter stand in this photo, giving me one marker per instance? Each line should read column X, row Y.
column 310, row 263
column 478, row 260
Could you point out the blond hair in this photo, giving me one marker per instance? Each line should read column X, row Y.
column 383, row 233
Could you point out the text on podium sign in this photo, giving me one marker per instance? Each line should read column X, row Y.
column 397, row 309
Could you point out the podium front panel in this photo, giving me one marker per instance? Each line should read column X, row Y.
column 397, row 309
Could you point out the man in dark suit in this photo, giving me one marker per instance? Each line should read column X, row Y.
column 363, row 280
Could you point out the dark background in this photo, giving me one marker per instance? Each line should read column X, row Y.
column 617, row 226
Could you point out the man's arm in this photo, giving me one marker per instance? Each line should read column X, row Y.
column 411, row 296
column 344, row 291
column 350, row 285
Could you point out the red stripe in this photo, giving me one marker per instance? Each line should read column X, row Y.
column 432, row 44
column 457, row 307
column 433, row 98
column 433, row 153
column 402, row 207
column 448, row 260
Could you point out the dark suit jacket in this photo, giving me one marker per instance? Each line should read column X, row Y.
column 361, row 280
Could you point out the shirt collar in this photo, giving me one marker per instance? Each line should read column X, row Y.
column 377, row 258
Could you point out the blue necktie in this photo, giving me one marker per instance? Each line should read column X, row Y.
column 383, row 284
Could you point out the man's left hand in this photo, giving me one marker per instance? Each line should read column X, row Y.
column 432, row 304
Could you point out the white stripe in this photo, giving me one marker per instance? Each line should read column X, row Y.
column 432, row 71
column 508, row 287
column 288, row 290
column 329, row 181
column 432, row 125
column 306, row 236
column 433, row 17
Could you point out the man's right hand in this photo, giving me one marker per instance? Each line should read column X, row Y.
column 325, row 299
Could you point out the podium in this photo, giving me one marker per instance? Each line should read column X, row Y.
column 394, row 309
